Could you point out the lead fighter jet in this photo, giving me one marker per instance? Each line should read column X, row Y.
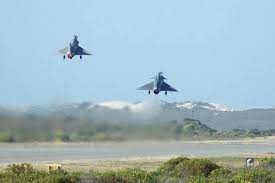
column 158, row 85
column 73, row 49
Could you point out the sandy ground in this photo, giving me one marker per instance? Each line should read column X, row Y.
column 145, row 163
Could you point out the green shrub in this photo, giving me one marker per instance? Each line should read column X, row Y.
column 257, row 175
column 220, row 175
column 125, row 176
column 6, row 137
column 25, row 173
column 184, row 168
column 197, row 179
column 196, row 167
column 169, row 167
column 21, row 169
column 268, row 163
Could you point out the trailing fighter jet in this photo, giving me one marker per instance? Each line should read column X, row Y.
column 158, row 85
column 73, row 49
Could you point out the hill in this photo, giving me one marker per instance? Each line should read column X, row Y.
column 69, row 128
column 214, row 115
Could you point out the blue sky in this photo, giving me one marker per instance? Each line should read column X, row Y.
column 211, row 50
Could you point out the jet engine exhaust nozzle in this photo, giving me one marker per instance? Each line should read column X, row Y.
column 70, row 55
column 156, row 91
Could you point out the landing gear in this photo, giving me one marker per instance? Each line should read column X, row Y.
column 64, row 57
column 166, row 93
column 149, row 92
column 80, row 56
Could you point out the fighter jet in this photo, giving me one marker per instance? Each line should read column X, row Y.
column 158, row 85
column 73, row 49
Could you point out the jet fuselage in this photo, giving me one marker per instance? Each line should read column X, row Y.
column 73, row 46
column 158, row 82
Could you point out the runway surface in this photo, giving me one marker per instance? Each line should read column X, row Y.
column 47, row 152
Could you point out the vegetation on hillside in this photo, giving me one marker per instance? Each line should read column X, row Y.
column 175, row 170
column 29, row 128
